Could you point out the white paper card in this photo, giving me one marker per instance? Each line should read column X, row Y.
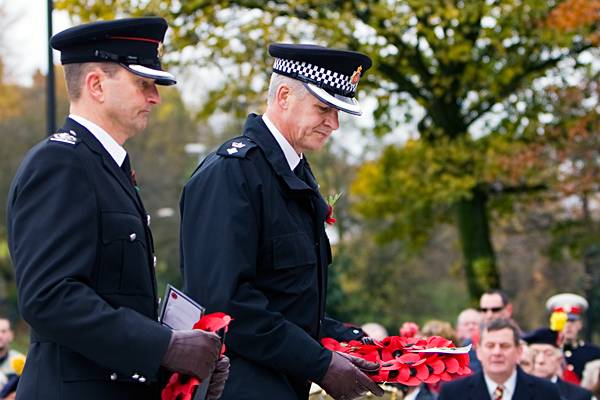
column 178, row 310
column 445, row 350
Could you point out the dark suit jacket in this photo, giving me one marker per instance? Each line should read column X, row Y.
column 253, row 245
column 569, row 391
column 83, row 258
column 473, row 387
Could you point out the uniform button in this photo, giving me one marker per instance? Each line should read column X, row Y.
column 154, row 261
column 113, row 376
column 132, row 237
column 568, row 353
column 135, row 376
column 148, row 219
column 355, row 331
column 142, row 379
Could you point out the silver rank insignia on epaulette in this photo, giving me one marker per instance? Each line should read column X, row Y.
column 235, row 146
column 65, row 137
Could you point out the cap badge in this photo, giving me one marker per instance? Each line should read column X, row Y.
column 160, row 50
column 356, row 75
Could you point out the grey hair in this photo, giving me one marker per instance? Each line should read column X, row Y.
column 277, row 80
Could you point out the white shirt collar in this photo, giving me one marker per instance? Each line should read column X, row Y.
column 509, row 385
column 292, row 158
column 116, row 151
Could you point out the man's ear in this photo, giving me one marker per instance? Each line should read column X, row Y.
column 282, row 96
column 93, row 83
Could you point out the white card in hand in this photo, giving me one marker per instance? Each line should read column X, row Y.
column 178, row 310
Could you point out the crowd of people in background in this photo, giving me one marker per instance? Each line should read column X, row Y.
column 550, row 362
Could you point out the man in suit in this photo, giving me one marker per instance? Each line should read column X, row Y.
column 548, row 361
column 500, row 379
column 79, row 235
column 253, row 239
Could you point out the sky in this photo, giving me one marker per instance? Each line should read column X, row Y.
column 26, row 39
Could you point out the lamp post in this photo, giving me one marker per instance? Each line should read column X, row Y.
column 50, row 96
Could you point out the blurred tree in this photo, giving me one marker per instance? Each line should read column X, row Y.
column 469, row 65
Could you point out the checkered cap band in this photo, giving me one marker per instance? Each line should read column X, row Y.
column 331, row 81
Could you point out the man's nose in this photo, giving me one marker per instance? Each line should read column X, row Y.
column 332, row 119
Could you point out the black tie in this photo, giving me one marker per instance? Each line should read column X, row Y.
column 300, row 170
column 126, row 168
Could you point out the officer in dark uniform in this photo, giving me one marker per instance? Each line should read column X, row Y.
column 253, row 241
column 548, row 360
column 577, row 352
column 79, row 235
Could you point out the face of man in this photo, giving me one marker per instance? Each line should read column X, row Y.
column 128, row 101
column 571, row 330
column 6, row 335
column 526, row 361
column 491, row 307
column 498, row 354
column 467, row 325
column 311, row 122
column 547, row 360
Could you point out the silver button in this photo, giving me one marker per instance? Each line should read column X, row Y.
column 148, row 219
column 135, row 376
column 132, row 237
column 355, row 331
column 154, row 260
column 113, row 376
column 142, row 379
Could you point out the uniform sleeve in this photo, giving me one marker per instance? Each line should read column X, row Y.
column 53, row 238
column 220, row 233
column 339, row 331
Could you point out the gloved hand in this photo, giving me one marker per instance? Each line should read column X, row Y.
column 344, row 379
column 218, row 379
column 192, row 352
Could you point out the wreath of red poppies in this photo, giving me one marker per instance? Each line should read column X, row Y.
column 409, row 361
column 182, row 387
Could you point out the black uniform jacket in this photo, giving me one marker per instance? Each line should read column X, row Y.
column 473, row 387
column 570, row 391
column 82, row 253
column 579, row 354
column 253, row 245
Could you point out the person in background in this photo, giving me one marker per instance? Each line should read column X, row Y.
column 494, row 304
column 591, row 377
column 374, row 330
column 467, row 333
column 526, row 361
column 548, row 361
column 499, row 351
column 7, row 355
column 576, row 351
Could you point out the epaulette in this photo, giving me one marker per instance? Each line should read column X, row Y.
column 236, row 147
column 65, row 137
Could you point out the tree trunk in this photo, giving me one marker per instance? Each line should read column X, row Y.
column 479, row 258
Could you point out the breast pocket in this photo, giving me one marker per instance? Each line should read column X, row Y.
column 293, row 250
column 124, row 257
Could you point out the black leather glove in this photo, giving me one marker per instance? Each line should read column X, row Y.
column 218, row 379
column 344, row 379
column 192, row 352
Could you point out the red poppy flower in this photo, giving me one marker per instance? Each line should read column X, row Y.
column 403, row 361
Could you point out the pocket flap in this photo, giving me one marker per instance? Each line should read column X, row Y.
column 293, row 250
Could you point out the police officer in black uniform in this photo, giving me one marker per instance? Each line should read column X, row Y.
column 79, row 235
column 253, row 239
column 577, row 352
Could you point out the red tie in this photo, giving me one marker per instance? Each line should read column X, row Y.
column 499, row 392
